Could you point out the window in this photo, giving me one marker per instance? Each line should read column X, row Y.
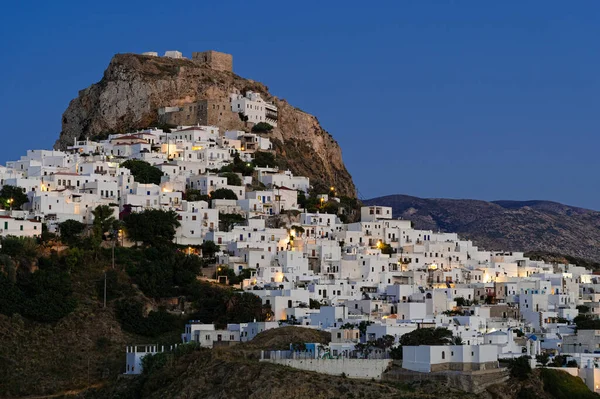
column 443, row 355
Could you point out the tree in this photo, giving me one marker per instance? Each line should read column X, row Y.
column 209, row 249
column 427, row 336
column 520, row 367
column 263, row 159
column 13, row 197
column 196, row 195
column 152, row 227
column 298, row 230
column 262, row 127
column 223, row 193
column 232, row 178
column 70, row 231
column 386, row 249
column 142, row 171
column 130, row 314
column 460, row 301
column 396, row 352
column 104, row 220
column 314, row 304
column 583, row 308
column 362, row 327
column 385, row 342
column 228, row 220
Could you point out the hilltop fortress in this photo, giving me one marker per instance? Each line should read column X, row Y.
column 213, row 59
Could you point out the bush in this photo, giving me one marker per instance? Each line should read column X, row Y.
column 520, row 368
column 130, row 314
column 44, row 296
column 70, row 231
column 162, row 274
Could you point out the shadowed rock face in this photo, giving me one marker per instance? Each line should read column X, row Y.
column 506, row 225
column 135, row 86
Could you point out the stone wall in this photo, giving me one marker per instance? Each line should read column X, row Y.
column 464, row 366
column 218, row 113
column 215, row 60
column 352, row 368
column 187, row 116
column 469, row 381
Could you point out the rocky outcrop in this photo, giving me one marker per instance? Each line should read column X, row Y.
column 135, row 86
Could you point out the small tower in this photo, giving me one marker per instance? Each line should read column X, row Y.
column 214, row 60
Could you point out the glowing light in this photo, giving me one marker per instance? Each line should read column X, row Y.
column 433, row 266
column 379, row 244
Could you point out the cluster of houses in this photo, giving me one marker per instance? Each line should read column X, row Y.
column 316, row 271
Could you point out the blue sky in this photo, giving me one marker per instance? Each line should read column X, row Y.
column 455, row 99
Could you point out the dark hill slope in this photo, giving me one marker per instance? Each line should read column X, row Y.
column 505, row 225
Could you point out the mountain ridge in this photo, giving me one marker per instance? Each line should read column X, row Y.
column 533, row 225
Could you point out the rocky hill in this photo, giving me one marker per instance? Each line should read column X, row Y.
column 135, row 86
column 506, row 225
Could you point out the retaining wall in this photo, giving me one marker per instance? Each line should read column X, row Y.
column 352, row 368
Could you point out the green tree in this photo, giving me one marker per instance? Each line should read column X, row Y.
column 13, row 197
column 104, row 220
column 223, row 193
column 263, row 159
column 209, row 249
column 520, row 368
column 142, row 171
column 262, row 127
column 232, row 178
column 314, row 304
column 427, row 336
column 228, row 220
column 70, row 231
column 152, row 227
column 386, row 249
column 196, row 195
column 385, row 342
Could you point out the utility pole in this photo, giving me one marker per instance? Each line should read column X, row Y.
column 105, row 289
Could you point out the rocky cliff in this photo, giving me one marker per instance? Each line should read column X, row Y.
column 506, row 225
column 135, row 86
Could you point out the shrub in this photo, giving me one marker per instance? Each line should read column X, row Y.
column 70, row 231
column 520, row 368
column 130, row 315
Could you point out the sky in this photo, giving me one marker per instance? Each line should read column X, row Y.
column 453, row 99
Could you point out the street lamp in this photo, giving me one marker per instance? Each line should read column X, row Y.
column 10, row 202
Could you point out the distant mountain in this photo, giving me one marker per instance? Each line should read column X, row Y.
column 541, row 226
